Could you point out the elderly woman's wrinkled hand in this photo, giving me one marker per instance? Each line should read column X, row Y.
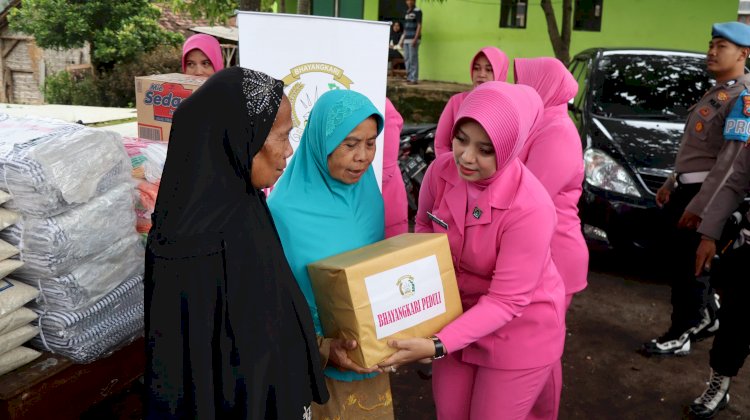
column 339, row 357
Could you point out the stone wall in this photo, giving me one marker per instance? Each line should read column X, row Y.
column 422, row 103
column 25, row 67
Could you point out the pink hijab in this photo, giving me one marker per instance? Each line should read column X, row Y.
column 550, row 78
column 553, row 153
column 507, row 113
column 497, row 59
column 554, row 84
column 208, row 45
column 391, row 135
column 444, row 132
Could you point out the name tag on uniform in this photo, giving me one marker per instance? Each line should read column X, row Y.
column 737, row 124
column 437, row 220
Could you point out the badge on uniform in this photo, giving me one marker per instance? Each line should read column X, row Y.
column 437, row 220
column 722, row 95
column 737, row 124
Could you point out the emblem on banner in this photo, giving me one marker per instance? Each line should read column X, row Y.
column 304, row 84
column 406, row 285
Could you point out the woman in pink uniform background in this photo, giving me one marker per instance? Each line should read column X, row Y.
column 499, row 220
column 489, row 64
column 201, row 55
column 554, row 155
column 394, row 191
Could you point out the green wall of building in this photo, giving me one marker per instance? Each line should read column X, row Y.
column 454, row 30
column 371, row 9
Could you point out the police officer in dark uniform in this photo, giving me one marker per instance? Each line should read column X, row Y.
column 709, row 146
column 732, row 342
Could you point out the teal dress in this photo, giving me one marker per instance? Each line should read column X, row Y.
column 318, row 216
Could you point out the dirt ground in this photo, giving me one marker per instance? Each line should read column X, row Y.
column 604, row 375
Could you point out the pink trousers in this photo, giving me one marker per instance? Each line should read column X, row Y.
column 464, row 391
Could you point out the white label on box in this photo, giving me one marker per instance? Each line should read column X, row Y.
column 405, row 296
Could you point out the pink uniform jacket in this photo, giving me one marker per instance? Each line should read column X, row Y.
column 444, row 132
column 394, row 191
column 554, row 155
column 512, row 295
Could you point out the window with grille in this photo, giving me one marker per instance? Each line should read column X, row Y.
column 588, row 15
column 513, row 13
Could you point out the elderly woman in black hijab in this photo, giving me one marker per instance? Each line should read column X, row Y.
column 229, row 334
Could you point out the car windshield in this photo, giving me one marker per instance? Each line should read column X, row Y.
column 661, row 87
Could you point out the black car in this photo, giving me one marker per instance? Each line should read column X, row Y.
column 630, row 110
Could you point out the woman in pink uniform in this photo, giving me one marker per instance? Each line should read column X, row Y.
column 488, row 64
column 394, row 191
column 500, row 353
column 201, row 56
column 554, row 155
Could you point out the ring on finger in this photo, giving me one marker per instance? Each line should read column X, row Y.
column 393, row 369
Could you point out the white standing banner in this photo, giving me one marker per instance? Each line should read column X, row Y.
column 313, row 55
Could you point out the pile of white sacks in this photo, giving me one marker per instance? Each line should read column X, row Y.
column 71, row 186
column 16, row 325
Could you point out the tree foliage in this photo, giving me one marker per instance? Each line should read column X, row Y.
column 220, row 10
column 116, row 30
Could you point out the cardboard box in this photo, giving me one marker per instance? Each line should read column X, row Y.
column 402, row 287
column 156, row 99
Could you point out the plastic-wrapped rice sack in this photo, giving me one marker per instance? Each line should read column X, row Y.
column 92, row 279
column 70, row 324
column 49, row 166
column 52, row 246
column 87, row 335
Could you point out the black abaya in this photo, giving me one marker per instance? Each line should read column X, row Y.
column 229, row 334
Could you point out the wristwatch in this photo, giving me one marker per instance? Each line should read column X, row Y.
column 439, row 348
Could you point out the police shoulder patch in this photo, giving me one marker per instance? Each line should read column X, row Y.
column 737, row 124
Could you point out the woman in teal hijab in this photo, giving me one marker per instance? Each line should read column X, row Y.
column 328, row 202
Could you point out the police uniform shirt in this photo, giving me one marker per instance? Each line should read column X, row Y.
column 728, row 197
column 716, row 129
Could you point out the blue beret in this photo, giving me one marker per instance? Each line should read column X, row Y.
column 736, row 32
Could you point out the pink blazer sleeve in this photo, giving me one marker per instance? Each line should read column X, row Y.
column 523, row 254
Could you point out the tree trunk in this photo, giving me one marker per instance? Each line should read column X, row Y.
column 303, row 7
column 282, row 6
column 251, row 5
column 560, row 42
